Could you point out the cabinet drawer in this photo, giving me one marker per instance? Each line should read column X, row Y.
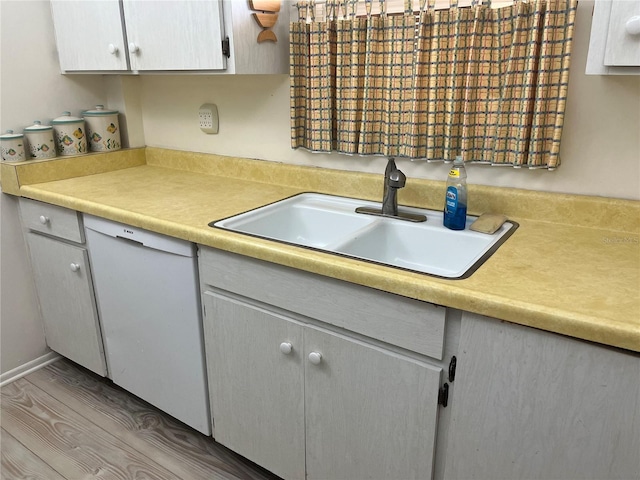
column 51, row 219
column 400, row 321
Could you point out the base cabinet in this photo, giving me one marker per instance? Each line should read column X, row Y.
column 64, row 286
column 279, row 388
column 532, row 404
column 307, row 401
column 256, row 391
column 368, row 413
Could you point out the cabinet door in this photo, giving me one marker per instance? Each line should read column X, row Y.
column 256, row 391
column 65, row 292
column 623, row 47
column 89, row 35
column 174, row 34
column 532, row 404
column 369, row 413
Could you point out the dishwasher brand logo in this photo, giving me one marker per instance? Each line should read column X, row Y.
column 130, row 232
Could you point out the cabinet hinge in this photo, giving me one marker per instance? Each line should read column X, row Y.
column 226, row 49
column 452, row 368
column 443, row 395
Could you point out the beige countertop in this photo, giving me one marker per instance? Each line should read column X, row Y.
column 573, row 266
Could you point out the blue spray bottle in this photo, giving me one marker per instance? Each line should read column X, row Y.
column 455, row 205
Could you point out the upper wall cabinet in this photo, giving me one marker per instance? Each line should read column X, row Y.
column 137, row 36
column 174, row 35
column 614, row 48
column 89, row 35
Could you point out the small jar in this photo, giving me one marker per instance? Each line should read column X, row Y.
column 12, row 147
column 40, row 142
column 70, row 135
column 103, row 129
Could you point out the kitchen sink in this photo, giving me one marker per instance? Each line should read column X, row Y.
column 330, row 224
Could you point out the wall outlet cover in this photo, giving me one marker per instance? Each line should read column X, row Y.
column 208, row 117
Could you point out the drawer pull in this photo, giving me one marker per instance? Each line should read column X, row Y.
column 315, row 358
column 44, row 220
column 74, row 267
column 286, row 348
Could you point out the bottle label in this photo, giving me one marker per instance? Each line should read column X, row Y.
column 454, row 173
column 452, row 199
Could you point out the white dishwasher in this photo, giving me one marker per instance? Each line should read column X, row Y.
column 149, row 307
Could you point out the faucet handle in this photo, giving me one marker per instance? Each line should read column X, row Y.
column 397, row 179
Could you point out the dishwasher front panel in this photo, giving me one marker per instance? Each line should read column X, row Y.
column 149, row 308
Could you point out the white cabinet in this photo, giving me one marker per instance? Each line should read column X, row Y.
column 614, row 47
column 532, row 404
column 89, row 35
column 300, row 397
column 256, row 391
column 139, row 35
column 174, row 35
column 165, row 35
column 63, row 283
column 369, row 413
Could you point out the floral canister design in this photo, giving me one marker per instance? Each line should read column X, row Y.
column 103, row 129
column 39, row 139
column 12, row 146
column 70, row 134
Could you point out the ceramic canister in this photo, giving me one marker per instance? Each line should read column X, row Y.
column 12, row 146
column 103, row 129
column 70, row 134
column 40, row 140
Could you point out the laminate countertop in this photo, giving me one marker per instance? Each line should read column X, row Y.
column 572, row 267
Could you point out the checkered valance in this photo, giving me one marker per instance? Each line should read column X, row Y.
column 486, row 83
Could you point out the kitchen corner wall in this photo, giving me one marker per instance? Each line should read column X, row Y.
column 31, row 88
column 600, row 146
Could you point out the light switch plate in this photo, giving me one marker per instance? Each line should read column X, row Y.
column 208, row 116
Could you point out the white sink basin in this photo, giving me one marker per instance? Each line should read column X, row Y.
column 310, row 220
column 330, row 223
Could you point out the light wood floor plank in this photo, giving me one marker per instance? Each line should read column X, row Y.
column 70, row 444
column 18, row 462
column 175, row 446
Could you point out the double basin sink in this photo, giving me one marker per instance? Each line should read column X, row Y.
column 330, row 224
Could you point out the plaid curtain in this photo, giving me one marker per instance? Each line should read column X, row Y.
column 486, row 83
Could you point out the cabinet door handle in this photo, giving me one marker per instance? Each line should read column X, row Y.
column 74, row 267
column 633, row 25
column 113, row 49
column 286, row 348
column 133, row 48
column 44, row 220
column 315, row 358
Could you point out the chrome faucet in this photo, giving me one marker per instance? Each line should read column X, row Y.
column 394, row 179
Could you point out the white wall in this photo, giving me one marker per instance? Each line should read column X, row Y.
column 31, row 88
column 600, row 147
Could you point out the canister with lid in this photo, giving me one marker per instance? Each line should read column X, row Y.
column 40, row 140
column 12, row 146
column 103, row 129
column 70, row 134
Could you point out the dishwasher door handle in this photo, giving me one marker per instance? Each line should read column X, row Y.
column 130, row 240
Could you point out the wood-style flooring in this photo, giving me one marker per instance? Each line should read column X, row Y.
column 64, row 422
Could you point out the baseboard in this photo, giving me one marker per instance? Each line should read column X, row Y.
column 27, row 368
